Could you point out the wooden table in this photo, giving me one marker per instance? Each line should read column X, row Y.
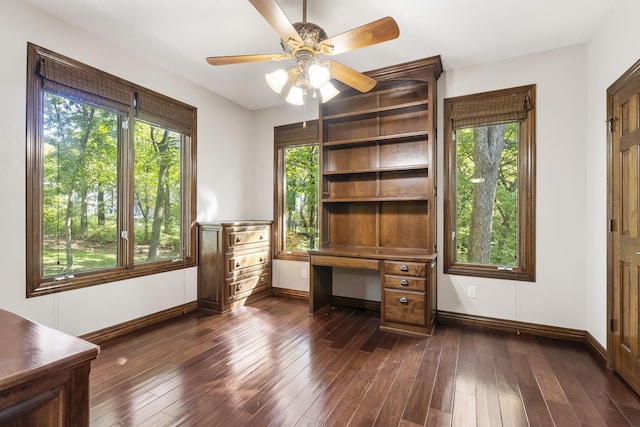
column 44, row 375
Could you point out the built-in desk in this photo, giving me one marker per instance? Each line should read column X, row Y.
column 44, row 375
column 407, row 278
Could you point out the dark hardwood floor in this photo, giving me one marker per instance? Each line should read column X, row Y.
column 271, row 364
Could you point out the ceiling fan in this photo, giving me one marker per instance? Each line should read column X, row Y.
column 304, row 42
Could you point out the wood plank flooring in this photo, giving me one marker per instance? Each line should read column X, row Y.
column 271, row 364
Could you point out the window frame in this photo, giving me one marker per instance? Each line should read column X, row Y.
column 291, row 135
column 166, row 111
column 525, row 270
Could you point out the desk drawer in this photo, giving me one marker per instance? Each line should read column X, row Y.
column 405, row 268
column 404, row 307
column 405, row 282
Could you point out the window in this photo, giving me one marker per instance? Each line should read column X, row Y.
column 110, row 182
column 490, row 184
column 296, row 190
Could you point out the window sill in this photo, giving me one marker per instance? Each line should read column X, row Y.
column 489, row 271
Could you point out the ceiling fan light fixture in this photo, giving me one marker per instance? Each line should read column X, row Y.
column 277, row 79
column 319, row 75
column 295, row 96
column 328, row 91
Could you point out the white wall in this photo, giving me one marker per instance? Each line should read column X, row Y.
column 557, row 298
column 224, row 140
column 612, row 51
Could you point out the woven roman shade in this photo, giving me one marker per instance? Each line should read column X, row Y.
column 493, row 110
column 165, row 112
column 98, row 88
column 65, row 78
column 297, row 134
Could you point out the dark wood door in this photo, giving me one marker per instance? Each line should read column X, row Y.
column 624, row 261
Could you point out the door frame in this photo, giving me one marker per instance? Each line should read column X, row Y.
column 612, row 224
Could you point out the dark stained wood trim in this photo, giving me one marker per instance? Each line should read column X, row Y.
column 408, row 70
column 526, row 271
column 528, row 328
column 114, row 331
column 290, row 293
column 511, row 326
column 596, row 347
column 284, row 136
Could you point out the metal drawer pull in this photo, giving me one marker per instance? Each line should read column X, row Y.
column 262, row 279
column 404, row 268
column 261, row 237
column 238, row 239
column 238, row 287
column 404, row 300
column 404, row 282
column 261, row 259
column 238, row 264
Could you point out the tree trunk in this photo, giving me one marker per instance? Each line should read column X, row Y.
column 77, row 165
column 488, row 146
column 162, row 147
column 84, row 217
column 101, row 209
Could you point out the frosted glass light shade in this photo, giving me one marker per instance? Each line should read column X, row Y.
column 328, row 91
column 318, row 75
column 296, row 96
column 276, row 80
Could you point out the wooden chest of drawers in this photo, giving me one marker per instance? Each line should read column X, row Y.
column 406, row 300
column 234, row 263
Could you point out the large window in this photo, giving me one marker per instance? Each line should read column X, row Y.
column 296, row 189
column 490, row 184
column 110, row 182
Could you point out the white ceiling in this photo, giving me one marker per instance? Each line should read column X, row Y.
column 179, row 34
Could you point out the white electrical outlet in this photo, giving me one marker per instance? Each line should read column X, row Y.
column 305, row 273
column 471, row 291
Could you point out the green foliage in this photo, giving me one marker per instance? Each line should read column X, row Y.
column 301, row 198
column 504, row 228
column 80, row 181
column 157, row 192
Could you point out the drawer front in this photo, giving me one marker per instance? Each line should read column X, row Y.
column 240, row 237
column 242, row 286
column 405, row 268
column 405, row 282
column 404, row 307
column 249, row 260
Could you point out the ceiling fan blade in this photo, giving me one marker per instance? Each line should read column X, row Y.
column 351, row 77
column 243, row 59
column 375, row 32
column 275, row 16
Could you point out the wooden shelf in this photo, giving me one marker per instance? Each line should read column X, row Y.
column 375, row 199
column 352, row 115
column 376, row 170
column 378, row 139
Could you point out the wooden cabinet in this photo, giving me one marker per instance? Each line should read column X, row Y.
column 44, row 375
column 378, row 185
column 408, row 297
column 234, row 263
